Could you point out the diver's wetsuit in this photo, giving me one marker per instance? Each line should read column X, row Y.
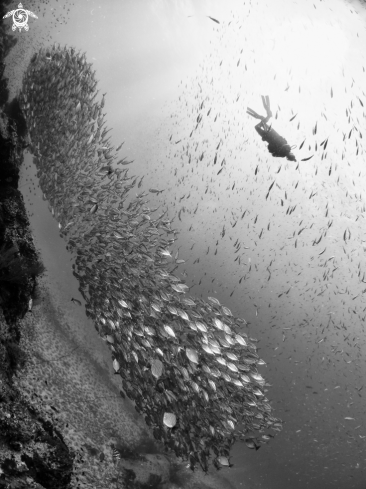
column 277, row 145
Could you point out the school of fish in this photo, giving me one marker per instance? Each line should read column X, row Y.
column 187, row 363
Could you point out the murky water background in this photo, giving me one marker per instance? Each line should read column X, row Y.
column 158, row 61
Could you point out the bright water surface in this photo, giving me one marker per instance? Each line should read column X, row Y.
column 157, row 61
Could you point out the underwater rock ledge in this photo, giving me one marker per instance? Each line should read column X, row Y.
column 32, row 452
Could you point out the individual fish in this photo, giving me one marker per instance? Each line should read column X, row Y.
column 232, row 367
column 90, row 139
column 192, row 355
column 181, row 313
column 224, row 461
column 257, row 377
column 172, row 310
column 218, row 323
column 226, row 311
column 102, row 103
column 116, row 365
column 170, row 420
column 267, row 437
column 123, row 303
column 156, row 307
column 115, row 454
column 165, row 253
column 215, row 20
column 75, row 301
column 207, row 349
column 245, row 378
column 169, row 330
column 156, row 368
column 252, row 443
column 231, row 424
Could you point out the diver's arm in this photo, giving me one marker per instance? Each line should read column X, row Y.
column 260, row 130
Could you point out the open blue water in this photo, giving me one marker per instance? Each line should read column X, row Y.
column 298, row 277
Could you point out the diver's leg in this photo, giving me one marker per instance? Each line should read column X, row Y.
column 266, row 105
column 254, row 114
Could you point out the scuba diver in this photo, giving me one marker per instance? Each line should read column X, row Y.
column 277, row 145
